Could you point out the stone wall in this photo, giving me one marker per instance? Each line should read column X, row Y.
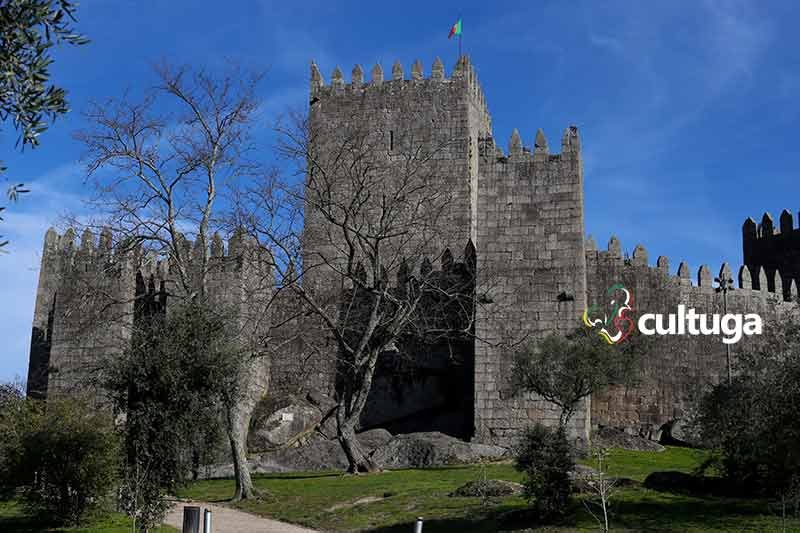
column 679, row 367
column 441, row 119
column 92, row 290
column 531, row 272
column 428, row 385
column 523, row 214
column 91, row 296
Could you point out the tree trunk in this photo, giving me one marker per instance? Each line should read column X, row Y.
column 357, row 460
column 252, row 386
column 237, row 427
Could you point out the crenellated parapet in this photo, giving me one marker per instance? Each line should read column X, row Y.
column 774, row 286
column 463, row 79
column 767, row 229
column 66, row 254
column 539, row 151
column 775, row 248
column 679, row 367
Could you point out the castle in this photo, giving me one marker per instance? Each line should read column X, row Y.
column 519, row 211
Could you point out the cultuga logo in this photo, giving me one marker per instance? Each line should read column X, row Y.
column 618, row 325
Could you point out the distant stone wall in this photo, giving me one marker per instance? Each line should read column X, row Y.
column 680, row 367
column 92, row 293
column 90, row 297
column 531, row 267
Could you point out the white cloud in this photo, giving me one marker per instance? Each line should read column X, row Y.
column 25, row 225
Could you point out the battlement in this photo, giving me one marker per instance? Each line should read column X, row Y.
column 773, row 249
column 463, row 75
column 105, row 256
column 538, row 152
column 778, row 286
column 766, row 229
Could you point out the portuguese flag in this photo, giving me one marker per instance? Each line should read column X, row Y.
column 456, row 29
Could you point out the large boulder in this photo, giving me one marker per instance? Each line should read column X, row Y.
column 290, row 421
column 284, row 427
column 315, row 454
column 373, row 439
column 678, row 432
column 683, row 483
column 608, row 437
column 414, row 450
column 420, row 450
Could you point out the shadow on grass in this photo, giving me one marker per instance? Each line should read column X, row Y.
column 681, row 513
column 497, row 518
column 289, row 475
column 25, row 524
column 664, row 512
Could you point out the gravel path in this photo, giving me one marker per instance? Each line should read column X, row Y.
column 227, row 520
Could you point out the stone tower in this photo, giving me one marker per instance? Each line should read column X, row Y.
column 523, row 212
column 530, row 237
column 435, row 109
column 91, row 296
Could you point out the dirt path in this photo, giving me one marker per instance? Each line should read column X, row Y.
column 227, row 520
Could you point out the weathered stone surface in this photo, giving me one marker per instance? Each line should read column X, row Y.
column 374, row 439
column 416, row 450
column 283, row 427
column 420, row 450
column 489, row 488
column 616, row 438
column 677, row 432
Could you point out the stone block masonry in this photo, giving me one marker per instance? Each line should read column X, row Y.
column 522, row 212
column 680, row 367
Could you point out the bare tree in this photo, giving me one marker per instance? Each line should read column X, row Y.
column 161, row 168
column 376, row 216
column 602, row 488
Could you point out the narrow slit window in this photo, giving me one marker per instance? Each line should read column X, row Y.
column 391, row 140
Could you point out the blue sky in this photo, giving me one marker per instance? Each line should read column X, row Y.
column 688, row 111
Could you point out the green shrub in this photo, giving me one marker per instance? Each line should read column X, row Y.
column 752, row 423
column 61, row 456
column 171, row 383
column 544, row 455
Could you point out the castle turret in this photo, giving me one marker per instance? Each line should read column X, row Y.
column 775, row 250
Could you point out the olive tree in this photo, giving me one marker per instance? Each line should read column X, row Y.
column 29, row 30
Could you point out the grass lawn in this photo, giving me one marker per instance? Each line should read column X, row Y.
column 14, row 517
column 393, row 499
